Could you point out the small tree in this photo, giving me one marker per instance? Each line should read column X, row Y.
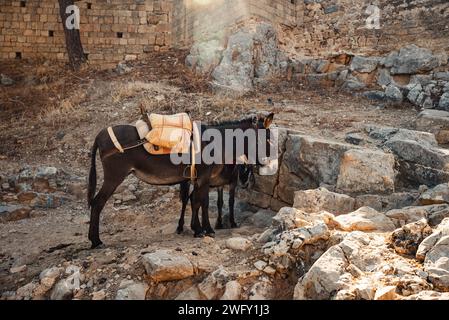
column 72, row 36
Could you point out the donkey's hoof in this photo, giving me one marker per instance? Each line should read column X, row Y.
column 97, row 245
column 179, row 230
column 199, row 235
column 234, row 225
column 210, row 233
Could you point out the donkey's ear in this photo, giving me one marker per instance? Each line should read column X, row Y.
column 268, row 120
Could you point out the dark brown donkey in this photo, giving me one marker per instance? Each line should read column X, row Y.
column 231, row 175
column 159, row 170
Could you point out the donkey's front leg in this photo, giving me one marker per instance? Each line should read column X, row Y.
column 204, row 194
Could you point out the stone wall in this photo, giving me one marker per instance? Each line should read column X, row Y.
column 335, row 26
column 110, row 29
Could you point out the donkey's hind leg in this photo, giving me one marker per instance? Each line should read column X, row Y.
column 110, row 184
column 184, row 193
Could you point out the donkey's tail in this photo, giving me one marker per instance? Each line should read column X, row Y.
column 92, row 175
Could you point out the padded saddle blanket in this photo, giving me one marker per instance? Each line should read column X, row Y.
column 168, row 134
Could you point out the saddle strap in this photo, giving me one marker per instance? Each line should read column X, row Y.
column 114, row 140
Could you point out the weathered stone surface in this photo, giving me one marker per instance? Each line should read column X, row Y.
column 212, row 287
column 368, row 171
column 190, row 294
column 436, row 195
column 63, row 290
column 411, row 60
column 435, row 121
column 130, row 290
column 434, row 214
column 365, row 219
column 262, row 218
column 289, row 218
column 429, row 295
column 322, row 199
column 407, row 239
column 14, row 212
column 233, row 291
column 364, row 64
column 444, row 101
column 164, row 265
column 386, row 293
column 205, row 56
column 260, row 291
column 353, row 83
column 393, row 93
column 436, row 264
column 238, row 244
column 314, row 157
column 428, row 243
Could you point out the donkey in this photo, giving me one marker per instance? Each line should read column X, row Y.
column 160, row 170
column 231, row 175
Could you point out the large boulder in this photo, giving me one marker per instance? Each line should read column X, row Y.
column 205, row 56
column 213, row 286
column 130, row 290
column 164, row 265
column 365, row 219
column 364, row 64
column 436, row 264
column 411, row 60
column 317, row 200
column 364, row 170
column 434, row 214
column 428, row 243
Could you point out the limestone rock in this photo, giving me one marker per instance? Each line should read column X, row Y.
column 444, row 101
column 364, row 64
column 130, row 290
column 164, row 265
column 190, row 294
column 435, row 121
column 437, row 195
column 434, row 214
column 436, row 264
column 63, row 290
column 212, row 287
column 238, row 244
column 393, row 93
column 260, row 291
column 14, row 212
column 411, row 60
column 233, row 291
column 407, row 239
column 429, row 295
column 366, row 171
column 386, row 293
column 428, row 243
column 365, row 219
column 322, row 199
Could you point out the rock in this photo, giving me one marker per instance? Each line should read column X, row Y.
column 354, row 138
column 5, row 80
column 322, row 199
column 164, row 265
column 260, row 265
column 130, row 290
column 407, row 239
column 393, row 93
column 289, row 218
column 63, row 290
column 368, row 171
column 204, row 56
column 238, row 244
column 99, row 295
column 429, row 295
column 262, row 218
column 386, row 293
column 122, row 68
column 437, row 195
column 417, row 152
column 18, row 269
column 384, row 78
column 251, row 55
column 233, row 291
column 434, row 121
column 260, row 291
column 436, row 264
column 434, row 214
column 364, row 64
column 444, row 101
column 14, row 212
column 48, row 277
column 365, row 219
column 212, row 287
column 26, row 291
column 190, row 294
column 353, row 84
column 428, row 243
column 412, row 60
column 374, row 95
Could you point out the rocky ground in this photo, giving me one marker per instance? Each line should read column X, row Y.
column 341, row 242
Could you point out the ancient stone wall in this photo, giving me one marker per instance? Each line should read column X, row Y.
column 110, row 29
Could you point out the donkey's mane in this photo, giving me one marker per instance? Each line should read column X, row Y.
column 226, row 123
